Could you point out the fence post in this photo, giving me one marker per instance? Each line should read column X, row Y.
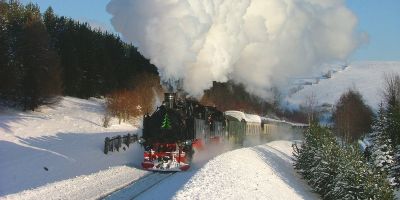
column 106, row 145
column 119, row 142
column 128, row 140
column 115, row 143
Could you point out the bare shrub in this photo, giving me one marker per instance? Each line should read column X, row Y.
column 129, row 103
column 352, row 118
column 310, row 107
column 391, row 91
column 106, row 119
column 146, row 88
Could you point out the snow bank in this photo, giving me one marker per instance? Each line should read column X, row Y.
column 92, row 186
column 261, row 172
column 57, row 143
column 57, row 153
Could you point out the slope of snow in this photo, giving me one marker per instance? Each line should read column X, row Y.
column 57, row 153
column 261, row 172
column 57, row 143
column 93, row 186
column 366, row 77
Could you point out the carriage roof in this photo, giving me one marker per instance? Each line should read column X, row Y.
column 240, row 116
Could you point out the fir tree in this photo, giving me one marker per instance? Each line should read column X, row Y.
column 392, row 103
column 316, row 159
column 4, row 48
column 338, row 172
column 393, row 124
column 396, row 168
column 41, row 82
column 356, row 180
column 11, row 72
column 382, row 151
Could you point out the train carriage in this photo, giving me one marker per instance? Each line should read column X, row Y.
column 241, row 125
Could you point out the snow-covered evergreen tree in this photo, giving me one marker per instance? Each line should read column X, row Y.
column 395, row 173
column 326, row 169
column 338, row 172
column 382, row 154
column 382, row 151
column 393, row 121
column 356, row 180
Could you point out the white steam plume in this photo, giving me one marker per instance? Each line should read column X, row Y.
column 258, row 43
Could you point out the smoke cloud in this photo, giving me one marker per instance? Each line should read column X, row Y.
column 257, row 43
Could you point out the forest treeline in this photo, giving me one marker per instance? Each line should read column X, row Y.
column 43, row 56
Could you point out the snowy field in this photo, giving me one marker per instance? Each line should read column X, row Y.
column 260, row 172
column 57, row 153
column 366, row 77
column 66, row 139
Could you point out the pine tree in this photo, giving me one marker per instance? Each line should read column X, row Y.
column 382, row 151
column 392, row 103
column 4, row 48
column 338, row 172
column 316, row 159
column 393, row 128
column 396, row 168
column 11, row 17
column 41, row 82
column 356, row 180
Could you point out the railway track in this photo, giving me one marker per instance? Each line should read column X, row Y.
column 140, row 186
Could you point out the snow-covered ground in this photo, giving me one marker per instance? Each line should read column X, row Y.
column 66, row 139
column 57, row 153
column 260, row 172
column 366, row 77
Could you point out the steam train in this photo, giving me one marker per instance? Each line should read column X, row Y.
column 179, row 126
column 175, row 129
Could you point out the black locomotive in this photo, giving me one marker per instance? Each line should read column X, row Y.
column 175, row 128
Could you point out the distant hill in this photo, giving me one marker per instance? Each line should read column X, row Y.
column 367, row 77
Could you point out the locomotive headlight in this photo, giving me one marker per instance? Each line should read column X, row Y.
column 188, row 142
column 141, row 140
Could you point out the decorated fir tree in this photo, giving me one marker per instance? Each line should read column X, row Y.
column 166, row 124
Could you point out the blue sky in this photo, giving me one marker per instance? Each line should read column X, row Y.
column 379, row 19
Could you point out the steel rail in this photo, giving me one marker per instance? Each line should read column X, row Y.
column 140, row 186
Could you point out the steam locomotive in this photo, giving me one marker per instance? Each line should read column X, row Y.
column 175, row 129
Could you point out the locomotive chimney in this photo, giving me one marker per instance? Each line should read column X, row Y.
column 169, row 100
